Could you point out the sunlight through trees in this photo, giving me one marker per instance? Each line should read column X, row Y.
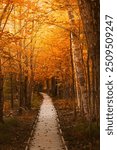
column 53, row 46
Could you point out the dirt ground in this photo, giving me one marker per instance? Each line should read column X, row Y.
column 16, row 129
column 77, row 133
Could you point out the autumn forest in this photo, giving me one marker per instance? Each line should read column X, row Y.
column 50, row 46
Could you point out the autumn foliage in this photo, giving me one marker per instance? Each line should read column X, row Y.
column 54, row 44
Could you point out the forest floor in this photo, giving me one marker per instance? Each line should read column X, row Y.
column 16, row 129
column 76, row 131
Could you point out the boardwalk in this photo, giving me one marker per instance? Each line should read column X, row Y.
column 46, row 136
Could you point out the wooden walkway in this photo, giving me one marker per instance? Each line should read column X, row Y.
column 46, row 136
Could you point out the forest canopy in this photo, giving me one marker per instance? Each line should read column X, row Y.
column 52, row 43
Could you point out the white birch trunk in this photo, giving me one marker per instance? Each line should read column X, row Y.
column 78, row 64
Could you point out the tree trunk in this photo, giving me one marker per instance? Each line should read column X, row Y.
column 26, row 91
column 21, row 103
column 73, row 77
column 77, row 60
column 1, row 94
column 54, row 88
column 12, row 102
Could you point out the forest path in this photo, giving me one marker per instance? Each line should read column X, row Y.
column 46, row 136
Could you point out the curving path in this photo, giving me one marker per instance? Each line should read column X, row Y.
column 46, row 136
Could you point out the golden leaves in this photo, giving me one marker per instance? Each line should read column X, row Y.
column 44, row 38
